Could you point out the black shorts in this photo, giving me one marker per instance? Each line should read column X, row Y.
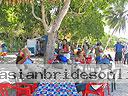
column 126, row 56
column 118, row 56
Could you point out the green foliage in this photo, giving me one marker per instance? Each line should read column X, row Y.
column 116, row 15
column 18, row 24
column 88, row 25
column 105, row 38
column 84, row 20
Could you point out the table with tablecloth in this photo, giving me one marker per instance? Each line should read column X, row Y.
column 56, row 89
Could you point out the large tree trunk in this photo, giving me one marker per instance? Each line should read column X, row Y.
column 50, row 47
column 52, row 28
column 52, row 32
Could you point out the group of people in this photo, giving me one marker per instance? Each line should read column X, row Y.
column 121, row 53
column 82, row 53
column 70, row 53
column 66, row 52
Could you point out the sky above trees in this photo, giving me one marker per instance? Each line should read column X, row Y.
column 123, row 34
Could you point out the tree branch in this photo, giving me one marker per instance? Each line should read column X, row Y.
column 43, row 16
column 0, row 1
column 76, row 14
column 56, row 24
column 33, row 12
column 82, row 6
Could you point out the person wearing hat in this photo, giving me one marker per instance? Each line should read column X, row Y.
column 24, row 57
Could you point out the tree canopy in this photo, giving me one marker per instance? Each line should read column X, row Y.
column 84, row 20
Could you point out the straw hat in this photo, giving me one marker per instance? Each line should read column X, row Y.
column 26, row 52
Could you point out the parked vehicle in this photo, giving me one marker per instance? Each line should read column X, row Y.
column 37, row 46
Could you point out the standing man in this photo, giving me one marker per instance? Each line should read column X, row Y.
column 118, row 52
column 98, row 52
column 126, row 53
column 86, row 47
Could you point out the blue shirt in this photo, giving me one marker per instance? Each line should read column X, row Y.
column 119, row 47
column 28, row 61
column 104, row 61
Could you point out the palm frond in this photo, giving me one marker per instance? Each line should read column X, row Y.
column 116, row 18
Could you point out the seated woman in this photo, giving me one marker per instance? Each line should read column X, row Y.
column 24, row 57
column 66, row 49
column 60, row 57
column 80, row 57
column 105, row 60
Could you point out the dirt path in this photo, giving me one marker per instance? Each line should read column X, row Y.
column 122, row 90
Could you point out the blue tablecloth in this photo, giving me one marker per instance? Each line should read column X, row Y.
column 56, row 89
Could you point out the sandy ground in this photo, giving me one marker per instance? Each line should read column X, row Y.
column 122, row 85
column 122, row 90
column 10, row 59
